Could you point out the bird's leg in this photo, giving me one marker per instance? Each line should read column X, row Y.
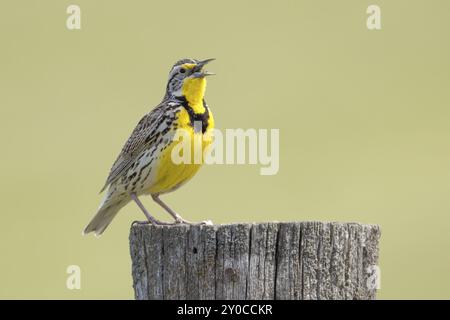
column 150, row 218
column 176, row 216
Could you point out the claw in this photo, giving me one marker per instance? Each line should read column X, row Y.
column 153, row 223
column 203, row 223
column 140, row 223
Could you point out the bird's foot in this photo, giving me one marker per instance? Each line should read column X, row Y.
column 154, row 222
column 180, row 220
column 140, row 223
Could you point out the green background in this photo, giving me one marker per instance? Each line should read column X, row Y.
column 363, row 118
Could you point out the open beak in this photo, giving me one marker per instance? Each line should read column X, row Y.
column 198, row 72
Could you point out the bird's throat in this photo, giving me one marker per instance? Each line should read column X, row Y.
column 194, row 91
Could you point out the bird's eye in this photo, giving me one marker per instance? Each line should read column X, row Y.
column 182, row 70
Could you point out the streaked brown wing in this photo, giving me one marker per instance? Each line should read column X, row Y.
column 142, row 136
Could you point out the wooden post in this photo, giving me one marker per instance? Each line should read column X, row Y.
column 298, row 260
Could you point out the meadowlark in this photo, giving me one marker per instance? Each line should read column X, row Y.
column 145, row 166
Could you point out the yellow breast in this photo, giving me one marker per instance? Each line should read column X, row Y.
column 169, row 175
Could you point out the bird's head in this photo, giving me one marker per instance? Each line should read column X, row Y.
column 187, row 79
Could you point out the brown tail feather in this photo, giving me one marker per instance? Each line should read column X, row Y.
column 103, row 218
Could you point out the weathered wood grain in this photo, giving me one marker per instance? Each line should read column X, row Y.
column 295, row 260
